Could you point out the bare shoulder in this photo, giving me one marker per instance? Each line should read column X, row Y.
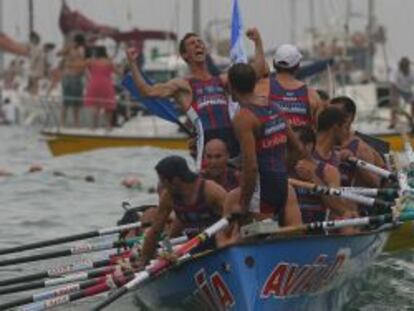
column 212, row 187
column 314, row 97
column 262, row 87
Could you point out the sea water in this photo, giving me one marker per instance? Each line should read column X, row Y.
column 41, row 205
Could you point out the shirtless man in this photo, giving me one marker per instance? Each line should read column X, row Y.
column 201, row 96
column 354, row 146
column 299, row 103
column 71, row 72
column 216, row 158
column 263, row 135
column 197, row 203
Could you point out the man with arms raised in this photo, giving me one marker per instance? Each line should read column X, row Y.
column 196, row 202
column 201, row 96
column 263, row 135
column 299, row 103
column 216, row 168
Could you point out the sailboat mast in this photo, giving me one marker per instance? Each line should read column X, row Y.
column 292, row 21
column 197, row 17
column 370, row 34
column 1, row 30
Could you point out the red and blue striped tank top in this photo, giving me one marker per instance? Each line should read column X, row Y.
column 311, row 206
column 272, row 139
column 294, row 104
column 210, row 103
column 198, row 215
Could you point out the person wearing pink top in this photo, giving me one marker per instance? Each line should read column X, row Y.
column 100, row 91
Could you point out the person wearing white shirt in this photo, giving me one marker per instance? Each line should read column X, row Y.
column 402, row 81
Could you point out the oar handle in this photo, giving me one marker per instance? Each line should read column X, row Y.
column 372, row 168
column 71, row 238
column 323, row 190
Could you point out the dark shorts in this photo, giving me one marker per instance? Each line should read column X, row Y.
column 72, row 88
column 271, row 195
column 227, row 135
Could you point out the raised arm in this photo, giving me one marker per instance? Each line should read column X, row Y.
column 259, row 61
column 244, row 125
column 172, row 88
column 316, row 104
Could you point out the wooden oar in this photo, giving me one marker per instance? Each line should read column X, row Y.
column 155, row 268
column 77, row 277
column 372, row 168
column 71, row 238
column 324, row 190
column 58, row 271
column 76, row 250
column 342, row 223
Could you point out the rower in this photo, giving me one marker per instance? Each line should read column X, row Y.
column 201, row 96
column 263, row 135
column 196, row 202
column 331, row 122
column 314, row 207
column 216, row 157
column 299, row 103
column 354, row 146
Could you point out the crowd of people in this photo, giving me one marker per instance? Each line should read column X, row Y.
column 283, row 129
column 84, row 70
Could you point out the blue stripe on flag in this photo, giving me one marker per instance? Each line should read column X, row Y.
column 161, row 107
column 237, row 51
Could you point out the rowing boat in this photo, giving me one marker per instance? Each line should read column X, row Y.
column 295, row 273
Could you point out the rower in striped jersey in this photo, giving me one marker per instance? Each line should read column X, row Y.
column 201, row 96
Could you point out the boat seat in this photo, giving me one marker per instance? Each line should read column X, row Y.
column 259, row 228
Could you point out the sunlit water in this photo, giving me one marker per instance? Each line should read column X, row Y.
column 40, row 205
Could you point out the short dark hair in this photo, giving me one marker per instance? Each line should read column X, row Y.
column 175, row 166
column 348, row 104
column 279, row 69
column 34, row 37
column 242, row 78
column 306, row 135
column 100, row 51
column 79, row 39
column 323, row 94
column 181, row 45
column 330, row 117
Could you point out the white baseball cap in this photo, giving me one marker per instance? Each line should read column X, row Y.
column 287, row 56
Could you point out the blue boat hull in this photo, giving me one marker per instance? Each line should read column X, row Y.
column 310, row 273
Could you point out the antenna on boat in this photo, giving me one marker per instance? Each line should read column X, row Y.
column 370, row 33
column 31, row 16
column 292, row 21
column 1, row 30
column 196, row 17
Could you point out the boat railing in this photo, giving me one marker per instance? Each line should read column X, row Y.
column 129, row 114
